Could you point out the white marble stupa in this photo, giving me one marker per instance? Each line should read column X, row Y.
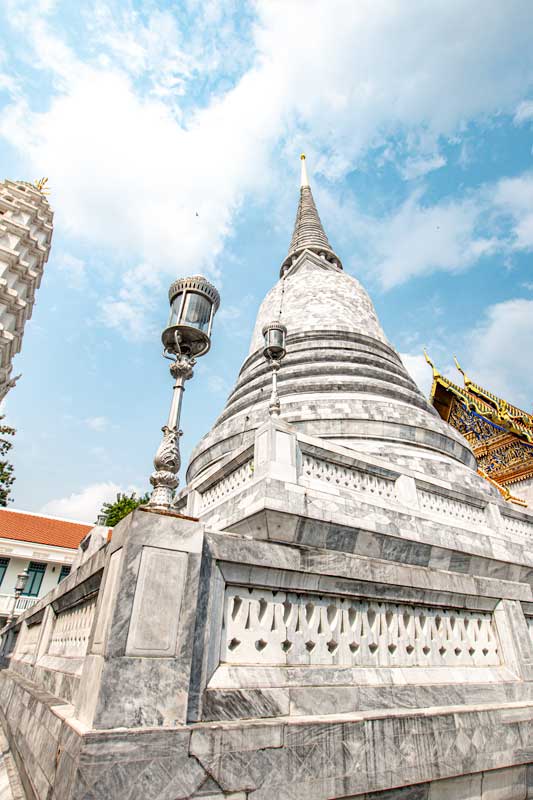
column 342, row 380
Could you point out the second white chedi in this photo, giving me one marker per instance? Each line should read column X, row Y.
column 25, row 239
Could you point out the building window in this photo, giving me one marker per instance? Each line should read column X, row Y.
column 3, row 566
column 36, row 572
column 65, row 570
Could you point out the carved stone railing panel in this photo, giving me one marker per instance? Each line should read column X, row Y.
column 72, row 628
column 262, row 626
column 239, row 477
column 449, row 507
column 517, row 526
column 346, row 477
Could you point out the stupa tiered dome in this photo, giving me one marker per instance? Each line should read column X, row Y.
column 341, row 379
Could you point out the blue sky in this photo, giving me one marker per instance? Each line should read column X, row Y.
column 170, row 133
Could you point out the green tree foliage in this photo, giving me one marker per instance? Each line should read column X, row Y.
column 7, row 479
column 123, row 505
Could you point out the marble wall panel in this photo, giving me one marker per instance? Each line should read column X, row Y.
column 156, row 608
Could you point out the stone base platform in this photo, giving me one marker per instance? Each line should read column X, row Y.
column 334, row 757
column 316, row 628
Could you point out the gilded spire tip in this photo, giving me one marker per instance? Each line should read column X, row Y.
column 41, row 185
column 461, row 370
column 304, row 182
column 436, row 373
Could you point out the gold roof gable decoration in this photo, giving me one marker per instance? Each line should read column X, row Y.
column 41, row 185
column 500, row 433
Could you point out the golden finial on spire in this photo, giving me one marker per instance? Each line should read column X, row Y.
column 463, row 373
column 304, row 182
column 436, row 373
column 40, row 184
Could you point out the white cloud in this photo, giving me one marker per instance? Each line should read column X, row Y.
column 148, row 49
column 229, row 313
column 141, row 291
column 524, row 112
column 98, row 424
column 84, row 505
column 141, row 174
column 418, row 167
column 493, row 353
column 73, row 269
column 418, row 239
column 514, row 197
column 393, row 68
column 419, row 370
column 497, row 351
column 218, row 385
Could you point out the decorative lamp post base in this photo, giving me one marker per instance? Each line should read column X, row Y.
column 167, row 462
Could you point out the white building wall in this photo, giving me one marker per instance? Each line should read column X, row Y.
column 20, row 554
column 524, row 490
column 25, row 238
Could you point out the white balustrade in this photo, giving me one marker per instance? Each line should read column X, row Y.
column 72, row 629
column 239, row 477
column 346, row 477
column 517, row 526
column 263, row 626
column 449, row 507
column 7, row 601
column 24, row 603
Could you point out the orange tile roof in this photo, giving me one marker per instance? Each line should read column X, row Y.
column 41, row 530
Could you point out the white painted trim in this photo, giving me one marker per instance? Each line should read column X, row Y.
column 15, row 548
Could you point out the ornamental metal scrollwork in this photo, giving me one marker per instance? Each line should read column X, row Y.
column 167, row 461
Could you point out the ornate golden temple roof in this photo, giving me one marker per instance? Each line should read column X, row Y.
column 498, row 411
column 500, row 433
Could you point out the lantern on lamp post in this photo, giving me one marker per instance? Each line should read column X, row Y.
column 193, row 304
column 274, row 334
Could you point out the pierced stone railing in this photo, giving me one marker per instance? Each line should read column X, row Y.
column 267, row 627
column 225, row 486
column 449, row 507
column 72, row 629
column 346, row 477
column 517, row 526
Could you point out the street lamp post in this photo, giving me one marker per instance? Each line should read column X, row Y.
column 274, row 351
column 20, row 585
column 193, row 304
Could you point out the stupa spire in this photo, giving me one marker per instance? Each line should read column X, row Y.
column 308, row 233
column 304, row 181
